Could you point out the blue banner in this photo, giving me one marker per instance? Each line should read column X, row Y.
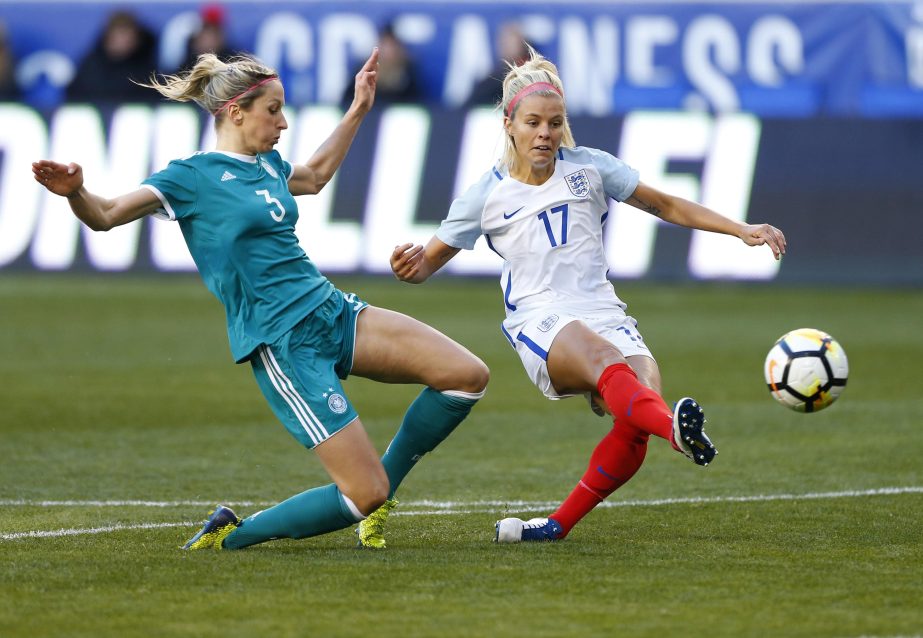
column 846, row 192
column 775, row 59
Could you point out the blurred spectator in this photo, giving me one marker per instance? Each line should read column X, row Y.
column 398, row 77
column 124, row 51
column 210, row 37
column 9, row 90
column 511, row 48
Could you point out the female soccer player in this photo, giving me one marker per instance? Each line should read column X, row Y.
column 542, row 209
column 300, row 334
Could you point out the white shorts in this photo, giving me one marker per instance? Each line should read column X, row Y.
column 531, row 333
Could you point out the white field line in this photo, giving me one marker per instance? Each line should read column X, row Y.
column 56, row 533
column 424, row 507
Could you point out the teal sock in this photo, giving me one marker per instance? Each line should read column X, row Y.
column 429, row 420
column 317, row 511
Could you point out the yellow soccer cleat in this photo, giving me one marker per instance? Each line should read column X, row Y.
column 371, row 531
column 220, row 522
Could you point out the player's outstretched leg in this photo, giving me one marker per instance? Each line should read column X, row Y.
column 689, row 432
column 514, row 530
column 616, row 458
column 220, row 522
column 429, row 420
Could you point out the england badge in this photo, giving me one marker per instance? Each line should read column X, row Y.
column 578, row 183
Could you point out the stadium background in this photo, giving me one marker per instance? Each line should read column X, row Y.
column 122, row 419
column 807, row 114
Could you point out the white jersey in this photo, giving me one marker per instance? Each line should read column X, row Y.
column 550, row 237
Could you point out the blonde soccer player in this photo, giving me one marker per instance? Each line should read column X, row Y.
column 542, row 209
column 301, row 335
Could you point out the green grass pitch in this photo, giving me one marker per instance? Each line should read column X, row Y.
column 121, row 408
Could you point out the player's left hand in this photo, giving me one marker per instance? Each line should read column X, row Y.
column 366, row 82
column 759, row 234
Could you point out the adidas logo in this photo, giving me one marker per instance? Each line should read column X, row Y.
column 228, row 176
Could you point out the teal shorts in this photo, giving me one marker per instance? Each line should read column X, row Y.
column 300, row 372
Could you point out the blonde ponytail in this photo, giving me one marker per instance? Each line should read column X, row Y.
column 212, row 84
column 535, row 70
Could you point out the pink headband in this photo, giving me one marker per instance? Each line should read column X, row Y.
column 237, row 97
column 529, row 90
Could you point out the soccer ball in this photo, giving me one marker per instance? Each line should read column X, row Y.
column 806, row 370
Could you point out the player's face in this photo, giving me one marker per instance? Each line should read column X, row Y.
column 537, row 128
column 264, row 121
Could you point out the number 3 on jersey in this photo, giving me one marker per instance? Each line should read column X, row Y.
column 275, row 202
column 547, row 222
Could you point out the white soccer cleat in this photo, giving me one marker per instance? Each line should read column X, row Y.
column 514, row 530
column 509, row 530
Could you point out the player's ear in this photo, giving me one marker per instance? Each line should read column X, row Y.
column 235, row 114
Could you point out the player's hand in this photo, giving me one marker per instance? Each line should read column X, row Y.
column 60, row 179
column 406, row 260
column 759, row 234
column 366, row 82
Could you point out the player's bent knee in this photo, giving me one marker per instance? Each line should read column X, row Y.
column 373, row 503
column 476, row 378
column 604, row 356
column 469, row 377
column 371, row 497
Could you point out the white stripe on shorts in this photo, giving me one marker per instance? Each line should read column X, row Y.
column 286, row 390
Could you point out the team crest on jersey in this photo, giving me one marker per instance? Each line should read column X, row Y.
column 578, row 183
column 269, row 169
column 336, row 403
column 548, row 323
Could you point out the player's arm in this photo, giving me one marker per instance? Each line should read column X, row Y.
column 415, row 264
column 683, row 212
column 96, row 212
column 310, row 178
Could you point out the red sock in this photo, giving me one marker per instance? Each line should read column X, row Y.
column 634, row 403
column 615, row 460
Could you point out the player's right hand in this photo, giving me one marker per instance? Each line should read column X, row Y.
column 60, row 179
column 406, row 260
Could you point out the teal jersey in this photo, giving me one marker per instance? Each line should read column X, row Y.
column 238, row 219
